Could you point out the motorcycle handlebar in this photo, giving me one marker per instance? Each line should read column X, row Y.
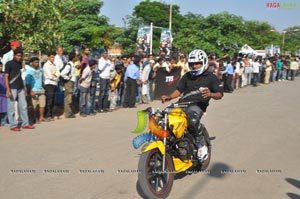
column 180, row 104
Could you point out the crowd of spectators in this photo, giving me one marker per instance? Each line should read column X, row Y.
column 33, row 91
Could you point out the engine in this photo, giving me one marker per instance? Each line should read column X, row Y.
column 184, row 149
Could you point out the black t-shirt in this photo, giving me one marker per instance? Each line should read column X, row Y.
column 189, row 83
column 13, row 69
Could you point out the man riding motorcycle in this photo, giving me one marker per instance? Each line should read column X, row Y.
column 198, row 78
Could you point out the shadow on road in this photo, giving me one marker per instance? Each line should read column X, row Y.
column 217, row 170
column 293, row 196
column 295, row 183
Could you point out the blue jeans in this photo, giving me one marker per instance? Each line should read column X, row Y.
column 121, row 91
column 279, row 75
column 76, row 90
column 18, row 96
column 194, row 114
column 84, row 100
column 93, row 98
column 273, row 75
column 284, row 74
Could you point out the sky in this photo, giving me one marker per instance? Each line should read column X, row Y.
column 281, row 15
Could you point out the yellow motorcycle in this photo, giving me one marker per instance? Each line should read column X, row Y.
column 168, row 148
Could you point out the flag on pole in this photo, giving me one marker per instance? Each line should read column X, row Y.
column 143, row 39
column 166, row 40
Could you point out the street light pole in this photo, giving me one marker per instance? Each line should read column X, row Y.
column 283, row 40
column 124, row 21
column 151, row 35
column 283, row 36
column 170, row 19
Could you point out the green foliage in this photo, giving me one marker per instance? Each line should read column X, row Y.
column 215, row 33
column 33, row 22
column 291, row 39
column 83, row 26
column 46, row 24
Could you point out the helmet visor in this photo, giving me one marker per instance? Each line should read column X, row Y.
column 191, row 65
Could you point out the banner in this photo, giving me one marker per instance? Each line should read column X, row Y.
column 276, row 49
column 143, row 40
column 166, row 40
column 272, row 50
column 166, row 82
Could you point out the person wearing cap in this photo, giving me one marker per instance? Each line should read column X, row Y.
column 145, row 81
column 10, row 55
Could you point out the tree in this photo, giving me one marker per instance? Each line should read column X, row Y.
column 84, row 26
column 291, row 39
column 258, row 35
column 46, row 24
column 158, row 13
column 32, row 22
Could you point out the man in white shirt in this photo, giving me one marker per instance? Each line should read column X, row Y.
column 145, row 81
column 105, row 66
column 294, row 68
column 59, row 59
column 51, row 75
column 237, row 73
column 256, row 66
column 167, row 64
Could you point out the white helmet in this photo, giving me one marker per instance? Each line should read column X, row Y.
column 198, row 56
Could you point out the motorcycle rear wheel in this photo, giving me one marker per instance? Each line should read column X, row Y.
column 153, row 181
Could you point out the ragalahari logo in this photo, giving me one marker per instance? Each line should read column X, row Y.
column 284, row 5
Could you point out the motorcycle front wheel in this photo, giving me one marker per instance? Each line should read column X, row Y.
column 206, row 162
column 155, row 182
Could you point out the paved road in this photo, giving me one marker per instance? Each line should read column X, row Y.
column 255, row 156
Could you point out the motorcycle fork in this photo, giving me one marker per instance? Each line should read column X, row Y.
column 165, row 141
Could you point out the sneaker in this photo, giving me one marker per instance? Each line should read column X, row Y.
column 71, row 116
column 15, row 129
column 28, row 127
column 202, row 153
